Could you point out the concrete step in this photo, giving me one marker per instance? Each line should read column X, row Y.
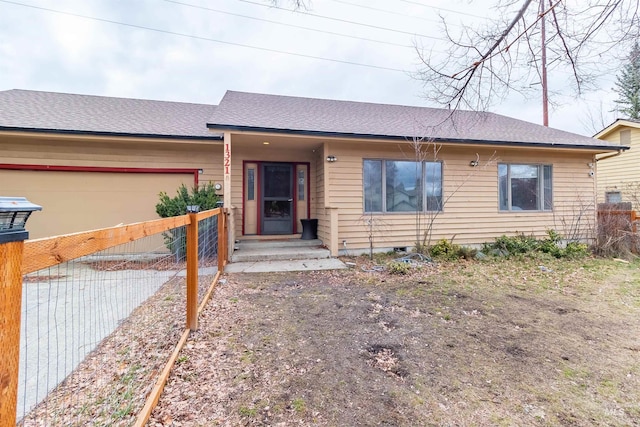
column 255, row 253
column 278, row 243
column 288, row 265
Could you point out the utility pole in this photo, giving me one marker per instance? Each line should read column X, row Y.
column 545, row 97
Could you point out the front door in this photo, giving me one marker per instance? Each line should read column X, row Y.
column 276, row 202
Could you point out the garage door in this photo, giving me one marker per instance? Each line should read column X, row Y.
column 81, row 201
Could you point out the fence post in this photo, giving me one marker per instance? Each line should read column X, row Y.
column 192, row 272
column 10, row 310
column 226, row 236
column 220, row 254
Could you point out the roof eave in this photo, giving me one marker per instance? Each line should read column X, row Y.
column 409, row 138
column 105, row 133
column 614, row 126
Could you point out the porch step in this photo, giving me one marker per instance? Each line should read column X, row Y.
column 278, row 250
column 279, row 243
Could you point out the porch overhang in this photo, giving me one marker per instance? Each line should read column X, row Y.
column 603, row 147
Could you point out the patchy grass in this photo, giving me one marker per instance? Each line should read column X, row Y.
column 500, row 342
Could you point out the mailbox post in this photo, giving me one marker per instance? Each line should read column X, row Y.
column 14, row 213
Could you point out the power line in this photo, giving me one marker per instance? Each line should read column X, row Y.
column 174, row 33
column 287, row 25
column 391, row 12
column 346, row 21
column 442, row 8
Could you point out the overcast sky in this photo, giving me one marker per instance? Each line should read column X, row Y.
column 195, row 50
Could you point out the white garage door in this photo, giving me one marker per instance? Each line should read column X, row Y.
column 81, row 201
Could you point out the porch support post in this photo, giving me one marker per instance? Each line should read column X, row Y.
column 594, row 161
column 333, row 230
column 227, row 170
column 331, row 211
column 227, row 194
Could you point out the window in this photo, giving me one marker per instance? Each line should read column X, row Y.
column 613, row 197
column 625, row 137
column 301, row 184
column 402, row 186
column 251, row 184
column 525, row 187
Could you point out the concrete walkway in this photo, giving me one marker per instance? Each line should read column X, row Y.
column 285, row 265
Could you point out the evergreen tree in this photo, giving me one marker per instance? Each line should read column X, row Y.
column 628, row 86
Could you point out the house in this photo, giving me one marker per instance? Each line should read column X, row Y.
column 618, row 174
column 95, row 162
column 365, row 171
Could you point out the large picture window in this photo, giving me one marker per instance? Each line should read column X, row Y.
column 402, row 186
column 525, row 187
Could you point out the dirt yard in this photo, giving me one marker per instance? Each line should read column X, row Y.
column 507, row 342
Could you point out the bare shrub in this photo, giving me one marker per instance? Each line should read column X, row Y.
column 575, row 223
column 617, row 232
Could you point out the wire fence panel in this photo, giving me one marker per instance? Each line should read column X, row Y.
column 97, row 330
column 207, row 254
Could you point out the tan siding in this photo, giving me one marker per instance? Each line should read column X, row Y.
column 76, row 201
column 471, row 212
column 621, row 172
column 81, row 201
column 114, row 154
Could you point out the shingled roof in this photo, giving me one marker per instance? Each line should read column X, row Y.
column 28, row 110
column 274, row 113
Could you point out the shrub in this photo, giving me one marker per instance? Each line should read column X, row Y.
column 204, row 196
column 397, row 267
column 444, row 249
column 175, row 240
column 617, row 235
column 518, row 244
column 527, row 245
column 467, row 252
column 550, row 245
column 576, row 250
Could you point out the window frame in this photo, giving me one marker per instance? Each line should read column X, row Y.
column 609, row 194
column 383, row 183
column 541, row 196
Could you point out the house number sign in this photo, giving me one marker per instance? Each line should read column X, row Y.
column 227, row 159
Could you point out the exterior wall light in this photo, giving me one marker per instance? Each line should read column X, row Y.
column 473, row 163
column 14, row 213
column 331, row 159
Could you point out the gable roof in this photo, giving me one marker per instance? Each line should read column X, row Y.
column 324, row 117
column 618, row 123
column 36, row 111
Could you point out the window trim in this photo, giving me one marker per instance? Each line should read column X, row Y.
column 384, row 186
column 609, row 193
column 541, row 196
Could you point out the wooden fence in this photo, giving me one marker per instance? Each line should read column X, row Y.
column 621, row 218
column 21, row 258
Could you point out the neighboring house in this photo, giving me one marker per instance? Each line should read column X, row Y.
column 619, row 175
column 280, row 159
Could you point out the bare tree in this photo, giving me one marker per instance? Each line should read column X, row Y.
column 296, row 4
column 484, row 64
column 596, row 118
column 429, row 208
